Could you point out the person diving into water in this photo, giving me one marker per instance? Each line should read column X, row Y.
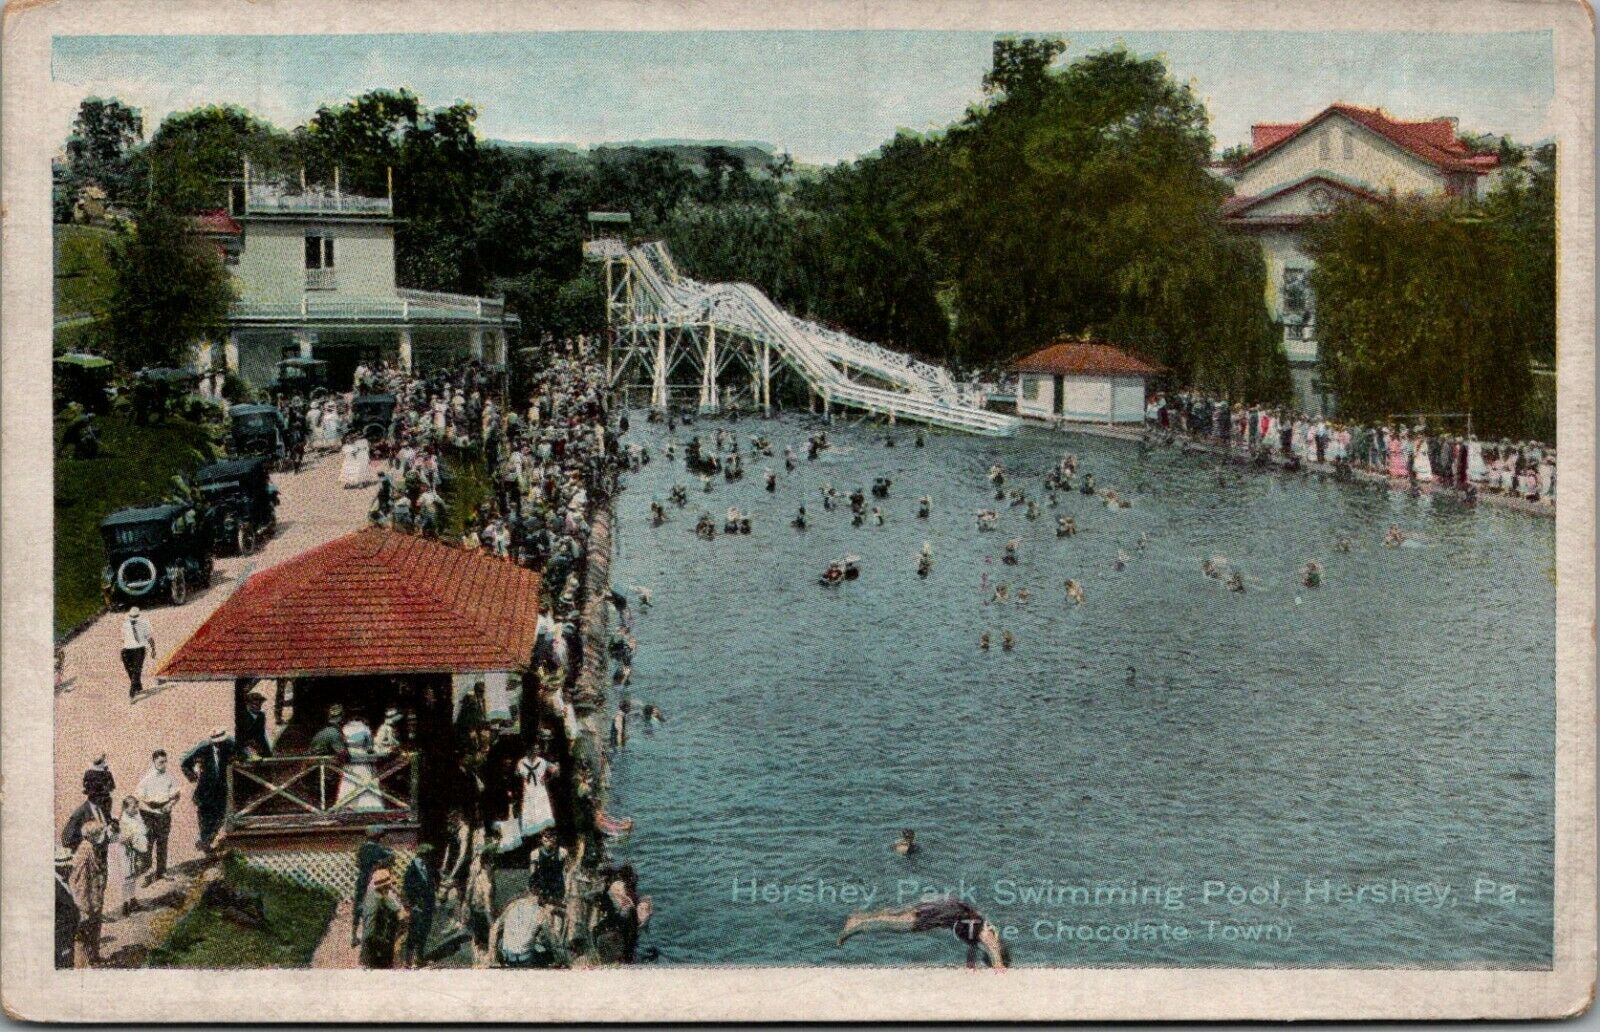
column 969, row 926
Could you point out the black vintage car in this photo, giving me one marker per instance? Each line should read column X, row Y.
column 372, row 416
column 257, row 430
column 241, row 503
column 307, row 377
column 155, row 552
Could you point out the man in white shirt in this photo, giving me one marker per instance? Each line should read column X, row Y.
column 137, row 641
column 522, row 937
column 157, row 793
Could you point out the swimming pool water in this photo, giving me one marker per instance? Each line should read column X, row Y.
column 1391, row 729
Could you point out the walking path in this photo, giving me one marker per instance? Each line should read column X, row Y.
column 93, row 713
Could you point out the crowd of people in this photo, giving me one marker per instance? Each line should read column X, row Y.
column 523, row 788
column 1413, row 454
column 106, row 842
column 526, row 788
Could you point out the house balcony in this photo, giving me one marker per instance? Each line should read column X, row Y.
column 321, row 279
column 276, row 199
column 404, row 307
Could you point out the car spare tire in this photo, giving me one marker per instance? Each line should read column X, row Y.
column 136, row 576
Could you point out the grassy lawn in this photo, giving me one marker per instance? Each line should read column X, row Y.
column 83, row 269
column 295, row 920
column 135, row 467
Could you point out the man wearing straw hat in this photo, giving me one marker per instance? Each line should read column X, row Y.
column 206, row 767
column 382, row 921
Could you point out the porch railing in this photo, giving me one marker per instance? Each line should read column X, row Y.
column 413, row 306
column 320, row 792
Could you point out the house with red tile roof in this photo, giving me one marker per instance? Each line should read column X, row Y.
column 1085, row 381
column 1296, row 172
column 387, row 626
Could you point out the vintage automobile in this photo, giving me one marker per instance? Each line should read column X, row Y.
column 154, row 552
column 372, row 416
column 241, row 503
column 85, row 379
column 257, row 430
column 307, row 377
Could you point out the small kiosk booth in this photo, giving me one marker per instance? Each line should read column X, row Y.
column 372, row 623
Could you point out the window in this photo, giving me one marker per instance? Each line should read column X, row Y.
column 1324, row 146
column 1030, row 388
column 1296, row 295
column 319, row 251
column 1348, row 139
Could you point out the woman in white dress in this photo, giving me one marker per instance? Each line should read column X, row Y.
column 328, row 429
column 535, row 772
column 356, row 787
column 1421, row 464
column 350, row 471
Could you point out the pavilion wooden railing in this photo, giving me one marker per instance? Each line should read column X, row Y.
column 310, row 792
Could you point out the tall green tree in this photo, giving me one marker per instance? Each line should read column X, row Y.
column 170, row 289
column 1417, row 311
column 100, row 147
column 194, row 155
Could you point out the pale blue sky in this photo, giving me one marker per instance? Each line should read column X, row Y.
column 824, row 96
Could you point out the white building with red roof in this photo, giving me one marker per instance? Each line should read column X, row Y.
column 1083, row 381
column 1295, row 172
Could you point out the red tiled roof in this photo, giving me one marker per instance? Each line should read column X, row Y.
column 218, row 221
column 1434, row 140
column 1086, row 358
column 373, row 602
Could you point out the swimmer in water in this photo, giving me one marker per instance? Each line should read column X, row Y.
column 1001, row 593
column 906, row 844
column 1311, row 574
column 772, row 482
column 799, row 521
column 1010, row 558
column 1394, row 538
column 1343, row 544
column 944, row 914
column 1023, row 594
column 983, row 641
column 877, row 516
column 924, row 507
column 1120, row 563
column 705, row 483
column 1066, row 526
column 1210, row 568
column 1133, row 676
column 1007, row 641
column 1144, row 539
column 1236, row 582
column 1074, row 592
column 644, row 596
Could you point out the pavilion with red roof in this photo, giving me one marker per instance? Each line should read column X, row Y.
column 373, row 622
column 1083, row 381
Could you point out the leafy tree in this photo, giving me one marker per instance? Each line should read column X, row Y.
column 1523, row 208
column 194, row 154
column 1418, row 311
column 98, row 151
column 169, row 290
column 1021, row 67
